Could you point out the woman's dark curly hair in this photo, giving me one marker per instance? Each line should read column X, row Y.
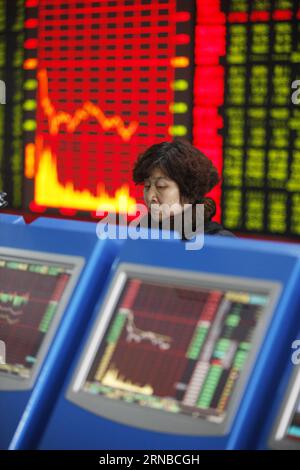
column 194, row 173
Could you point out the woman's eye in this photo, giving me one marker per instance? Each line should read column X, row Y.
column 161, row 187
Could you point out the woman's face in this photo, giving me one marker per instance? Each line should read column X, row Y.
column 160, row 190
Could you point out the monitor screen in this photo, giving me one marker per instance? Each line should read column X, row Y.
column 174, row 342
column 34, row 290
column 293, row 431
column 286, row 431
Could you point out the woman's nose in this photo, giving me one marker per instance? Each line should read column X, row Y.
column 152, row 197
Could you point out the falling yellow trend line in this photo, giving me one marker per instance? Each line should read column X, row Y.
column 50, row 192
column 88, row 109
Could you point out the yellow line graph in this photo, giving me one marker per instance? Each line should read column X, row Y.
column 138, row 335
column 50, row 192
column 7, row 313
column 112, row 378
column 88, row 109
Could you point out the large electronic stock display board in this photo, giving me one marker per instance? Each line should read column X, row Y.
column 91, row 84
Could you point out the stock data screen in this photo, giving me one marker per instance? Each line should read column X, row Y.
column 107, row 79
column 286, row 430
column 246, row 110
column 261, row 117
column 30, row 294
column 91, row 84
column 176, row 349
column 12, row 16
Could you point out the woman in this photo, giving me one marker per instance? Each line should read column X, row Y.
column 177, row 173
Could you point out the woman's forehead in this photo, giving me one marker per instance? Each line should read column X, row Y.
column 156, row 174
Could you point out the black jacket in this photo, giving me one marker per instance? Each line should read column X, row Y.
column 213, row 228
